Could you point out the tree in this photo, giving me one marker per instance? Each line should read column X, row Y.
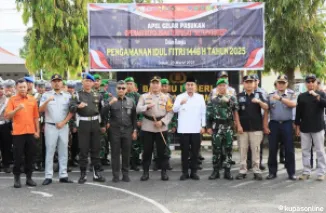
column 295, row 37
column 58, row 40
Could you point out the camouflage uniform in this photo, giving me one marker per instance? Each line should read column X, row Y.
column 220, row 119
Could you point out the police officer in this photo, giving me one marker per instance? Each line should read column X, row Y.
column 249, row 126
column 281, row 103
column 220, row 114
column 5, row 133
column 136, row 147
column 40, row 147
column 156, row 108
column 73, row 130
column 121, row 118
column 87, row 104
column 30, row 85
column 265, row 114
column 55, row 105
column 9, row 86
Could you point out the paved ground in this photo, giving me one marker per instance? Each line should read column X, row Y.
column 174, row 196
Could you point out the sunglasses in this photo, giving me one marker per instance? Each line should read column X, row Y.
column 121, row 88
column 310, row 81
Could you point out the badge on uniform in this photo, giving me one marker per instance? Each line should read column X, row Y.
column 242, row 99
column 257, row 95
column 243, row 107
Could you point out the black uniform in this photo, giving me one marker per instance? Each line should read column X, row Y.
column 122, row 118
column 88, row 129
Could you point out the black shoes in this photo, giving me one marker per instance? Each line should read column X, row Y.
column 292, row 177
column 194, row 176
column 258, row 176
column 65, row 180
column 125, row 178
column 145, row 176
column 97, row 177
column 115, row 179
column 240, row 176
column 262, row 167
column 47, row 181
column 184, row 176
column 17, row 183
column 227, row 174
column 83, row 176
column 164, row 175
column 29, row 181
column 271, row 176
column 215, row 175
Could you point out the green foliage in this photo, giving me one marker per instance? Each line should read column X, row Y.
column 57, row 41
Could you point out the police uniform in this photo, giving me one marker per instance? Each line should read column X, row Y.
column 40, row 145
column 56, row 111
column 162, row 111
column 251, row 121
column 219, row 118
column 88, row 130
column 121, row 116
column 5, row 135
column 136, row 147
column 281, row 126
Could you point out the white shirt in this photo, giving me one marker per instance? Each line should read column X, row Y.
column 192, row 114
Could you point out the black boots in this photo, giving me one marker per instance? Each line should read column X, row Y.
column 215, row 174
column 17, row 183
column 29, row 181
column 83, row 176
column 227, row 174
column 145, row 176
column 164, row 175
column 97, row 174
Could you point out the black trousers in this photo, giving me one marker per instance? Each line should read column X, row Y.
column 120, row 144
column 24, row 145
column 6, row 144
column 74, row 145
column 89, row 141
column 148, row 139
column 190, row 144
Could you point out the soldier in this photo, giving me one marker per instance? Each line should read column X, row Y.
column 136, row 147
column 103, row 137
column 230, row 90
column 55, row 105
column 156, row 108
column 250, row 126
column 87, row 104
column 221, row 112
column 5, row 133
column 30, row 85
column 73, row 130
column 171, row 129
column 281, row 103
column 120, row 116
column 9, row 86
column 22, row 109
column 191, row 109
column 40, row 151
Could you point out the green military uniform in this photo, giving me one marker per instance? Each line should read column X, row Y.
column 137, row 147
column 104, row 140
column 40, row 146
column 220, row 119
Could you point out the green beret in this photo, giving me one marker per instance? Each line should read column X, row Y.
column 105, row 81
column 164, row 81
column 97, row 77
column 222, row 81
column 129, row 79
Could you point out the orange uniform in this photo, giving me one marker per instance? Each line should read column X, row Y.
column 24, row 120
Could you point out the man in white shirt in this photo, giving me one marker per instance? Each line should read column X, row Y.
column 191, row 110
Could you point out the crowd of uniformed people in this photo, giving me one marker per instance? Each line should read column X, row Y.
column 42, row 123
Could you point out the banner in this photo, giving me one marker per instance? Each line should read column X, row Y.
column 176, row 37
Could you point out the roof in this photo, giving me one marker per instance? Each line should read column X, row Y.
column 7, row 57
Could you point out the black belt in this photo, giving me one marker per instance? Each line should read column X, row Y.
column 152, row 119
column 281, row 122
